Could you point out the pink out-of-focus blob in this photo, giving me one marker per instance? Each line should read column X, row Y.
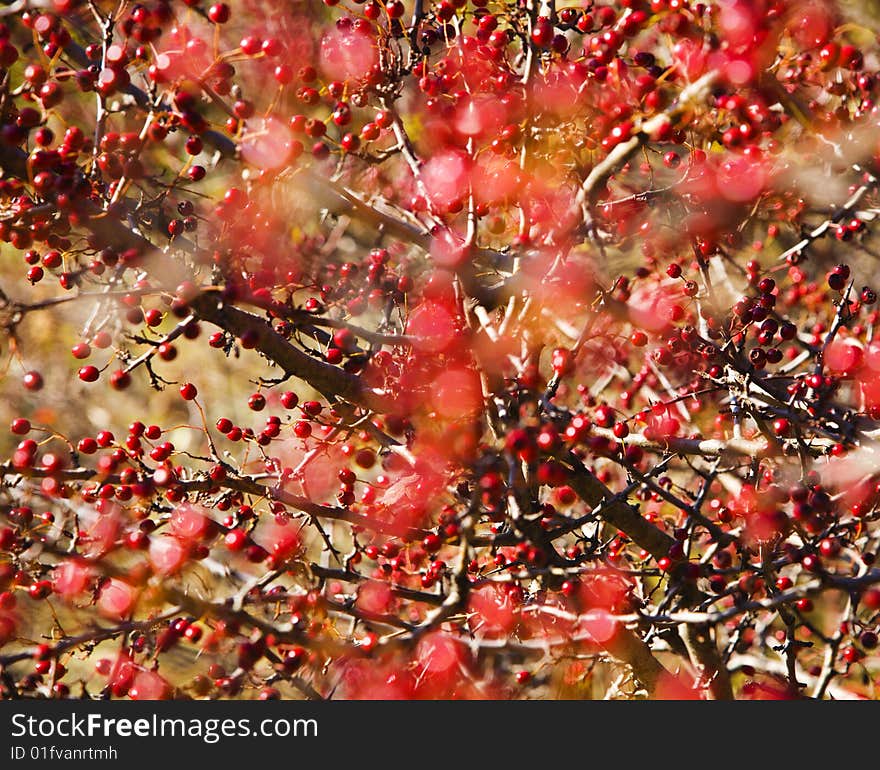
column 493, row 610
column 546, row 620
column 740, row 179
column 148, row 685
column 440, row 653
column 8, row 626
column 448, row 249
column 599, row 624
column 495, row 179
column 650, row 306
column 660, row 428
column 456, row 393
column 278, row 536
column 319, row 476
column 167, row 555
column 844, row 356
column 71, row 578
column 178, row 65
column 860, row 491
column 603, row 590
column 184, row 54
column 738, row 70
column 268, row 144
column 869, row 377
column 738, row 22
column 116, row 599
column 764, row 521
column 872, row 356
column 375, row 598
column 479, row 116
column 770, row 689
column 690, row 57
column 347, row 54
column 410, row 494
column 102, row 533
column 446, row 177
column 553, row 214
column 363, row 680
column 810, row 23
column 433, row 327
column 556, row 91
column 870, row 385
column 672, row 687
column 189, row 522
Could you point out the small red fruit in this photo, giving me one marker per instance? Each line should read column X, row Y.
column 188, row 391
column 219, row 13
column 89, row 373
column 20, row 426
column 33, row 380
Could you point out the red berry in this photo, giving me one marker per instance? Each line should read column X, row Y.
column 33, row 380
column 81, row 350
column 20, row 426
column 89, row 373
column 851, row 654
column 219, row 13
column 345, row 340
column 781, row 427
column 871, row 599
column 188, row 391
column 542, row 32
column 120, row 379
column 193, row 633
column 235, row 539
column 561, row 361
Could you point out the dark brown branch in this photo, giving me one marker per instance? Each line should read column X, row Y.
column 618, row 513
column 331, row 381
